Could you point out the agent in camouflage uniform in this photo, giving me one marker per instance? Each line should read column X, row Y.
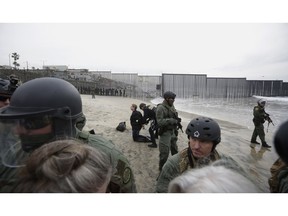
column 167, row 128
column 259, row 119
column 48, row 109
column 204, row 135
column 279, row 171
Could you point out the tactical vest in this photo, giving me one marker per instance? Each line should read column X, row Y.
column 185, row 162
column 275, row 170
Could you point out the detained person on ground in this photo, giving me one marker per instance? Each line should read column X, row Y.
column 136, row 122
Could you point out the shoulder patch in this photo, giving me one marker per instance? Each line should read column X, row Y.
column 124, row 172
column 126, row 175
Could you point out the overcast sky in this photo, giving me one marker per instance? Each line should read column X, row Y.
column 254, row 51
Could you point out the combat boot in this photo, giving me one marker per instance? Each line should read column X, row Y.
column 153, row 145
column 264, row 144
column 255, row 142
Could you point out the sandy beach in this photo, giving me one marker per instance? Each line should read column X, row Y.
column 103, row 114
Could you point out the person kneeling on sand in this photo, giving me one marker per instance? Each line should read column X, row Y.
column 136, row 121
column 204, row 135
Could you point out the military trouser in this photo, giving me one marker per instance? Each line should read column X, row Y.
column 167, row 143
column 258, row 131
column 152, row 135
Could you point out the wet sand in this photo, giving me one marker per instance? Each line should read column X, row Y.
column 105, row 112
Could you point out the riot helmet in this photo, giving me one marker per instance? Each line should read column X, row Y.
column 39, row 104
column 262, row 102
column 281, row 142
column 204, row 128
column 169, row 94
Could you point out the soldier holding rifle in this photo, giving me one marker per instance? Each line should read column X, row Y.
column 260, row 116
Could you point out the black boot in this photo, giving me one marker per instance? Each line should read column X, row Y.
column 153, row 145
column 255, row 142
column 265, row 145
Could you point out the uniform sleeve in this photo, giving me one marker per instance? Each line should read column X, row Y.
column 123, row 180
column 169, row 171
column 283, row 180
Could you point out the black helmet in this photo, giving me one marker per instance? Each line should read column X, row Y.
column 281, row 142
column 43, row 101
column 142, row 105
column 204, row 128
column 169, row 94
column 44, row 95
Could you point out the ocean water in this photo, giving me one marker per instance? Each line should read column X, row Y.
column 236, row 110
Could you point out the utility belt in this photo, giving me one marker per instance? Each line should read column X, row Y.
column 258, row 121
column 171, row 128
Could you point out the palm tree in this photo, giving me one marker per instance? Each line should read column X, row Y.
column 15, row 56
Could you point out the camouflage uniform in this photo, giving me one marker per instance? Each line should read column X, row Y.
column 123, row 179
column 279, row 177
column 178, row 164
column 258, row 120
column 167, row 125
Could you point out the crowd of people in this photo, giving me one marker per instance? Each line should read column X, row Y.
column 45, row 149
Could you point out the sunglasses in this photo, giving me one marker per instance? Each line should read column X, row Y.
column 3, row 98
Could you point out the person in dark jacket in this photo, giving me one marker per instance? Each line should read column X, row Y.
column 150, row 115
column 136, row 121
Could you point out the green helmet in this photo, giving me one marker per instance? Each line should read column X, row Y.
column 204, row 128
column 169, row 94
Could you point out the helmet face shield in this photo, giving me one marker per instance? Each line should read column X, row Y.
column 41, row 110
column 23, row 134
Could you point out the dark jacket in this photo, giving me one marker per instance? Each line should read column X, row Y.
column 136, row 120
column 149, row 114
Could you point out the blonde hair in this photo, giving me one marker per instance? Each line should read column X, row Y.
column 65, row 166
column 212, row 179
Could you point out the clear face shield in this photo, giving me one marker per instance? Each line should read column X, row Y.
column 20, row 135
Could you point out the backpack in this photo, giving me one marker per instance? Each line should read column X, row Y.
column 121, row 126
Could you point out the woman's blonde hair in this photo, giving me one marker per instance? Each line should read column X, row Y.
column 212, row 179
column 65, row 166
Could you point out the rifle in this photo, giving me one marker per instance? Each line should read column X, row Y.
column 267, row 118
column 179, row 125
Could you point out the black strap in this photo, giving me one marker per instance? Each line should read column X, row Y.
column 191, row 163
